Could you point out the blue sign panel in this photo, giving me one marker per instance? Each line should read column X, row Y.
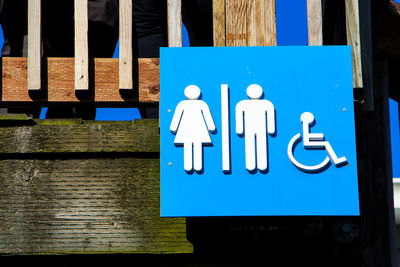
column 251, row 131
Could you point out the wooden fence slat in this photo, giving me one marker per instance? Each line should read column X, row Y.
column 125, row 44
column 314, row 18
column 353, row 39
column 81, row 45
column 236, row 14
column 270, row 22
column 250, row 23
column 219, row 22
column 34, row 44
column 174, row 23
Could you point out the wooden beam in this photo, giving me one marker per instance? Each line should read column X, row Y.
column 58, row 203
column 353, row 39
column 174, row 23
column 314, row 18
column 125, row 44
column 60, row 82
column 81, row 45
column 219, row 22
column 73, row 136
column 34, row 44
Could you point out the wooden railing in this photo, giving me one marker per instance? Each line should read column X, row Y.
column 235, row 23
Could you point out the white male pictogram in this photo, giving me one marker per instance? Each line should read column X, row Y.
column 257, row 116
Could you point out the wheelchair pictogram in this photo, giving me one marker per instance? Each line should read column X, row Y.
column 312, row 140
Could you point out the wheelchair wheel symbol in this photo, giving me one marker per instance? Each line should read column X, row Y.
column 315, row 168
column 312, row 140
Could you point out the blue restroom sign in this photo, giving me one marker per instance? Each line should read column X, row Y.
column 257, row 131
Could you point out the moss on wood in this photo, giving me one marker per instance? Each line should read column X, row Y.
column 57, row 201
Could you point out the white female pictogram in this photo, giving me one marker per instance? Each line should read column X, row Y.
column 191, row 123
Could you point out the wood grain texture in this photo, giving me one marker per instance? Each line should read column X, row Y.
column 125, row 44
column 250, row 23
column 174, row 23
column 236, row 22
column 55, row 203
column 81, row 45
column 219, row 22
column 85, row 205
column 60, row 81
column 34, row 44
column 72, row 136
column 314, row 19
column 353, row 39
column 270, row 22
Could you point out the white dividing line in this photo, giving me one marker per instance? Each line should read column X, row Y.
column 226, row 164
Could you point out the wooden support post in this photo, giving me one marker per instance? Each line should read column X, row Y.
column 174, row 23
column 125, row 44
column 219, row 22
column 81, row 45
column 236, row 32
column 365, row 15
column 250, row 23
column 270, row 22
column 314, row 18
column 353, row 39
column 34, row 44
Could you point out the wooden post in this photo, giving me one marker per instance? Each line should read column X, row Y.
column 125, row 44
column 365, row 15
column 314, row 18
column 353, row 39
column 236, row 32
column 270, row 22
column 174, row 23
column 219, row 22
column 250, row 23
column 81, row 45
column 34, row 44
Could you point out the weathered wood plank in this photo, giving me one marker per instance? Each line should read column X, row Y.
column 174, row 23
column 60, row 81
column 82, row 206
column 314, row 18
column 125, row 44
column 219, row 22
column 70, row 136
column 34, row 44
column 270, row 22
column 353, row 39
column 81, row 45
column 236, row 30
column 250, row 23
